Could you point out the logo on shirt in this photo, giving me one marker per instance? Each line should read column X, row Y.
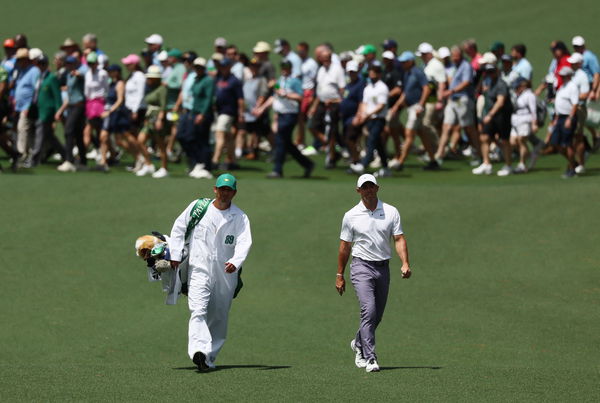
column 229, row 240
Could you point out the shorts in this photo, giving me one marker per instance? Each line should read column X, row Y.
column 392, row 120
column 307, row 98
column 149, row 127
column 414, row 121
column 260, row 126
column 137, row 123
column 224, row 123
column 500, row 125
column 326, row 118
column 521, row 130
column 94, row 108
column 561, row 136
column 459, row 111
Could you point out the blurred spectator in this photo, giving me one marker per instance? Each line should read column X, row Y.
column 523, row 120
column 173, row 82
column 95, row 91
column 282, row 47
column 261, row 51
column 580, row 79
column 497, row 49
column 154, row 43
column 565, row 120
column 392, row 77
column 309, row 70
column 353, row 96
column 255, row 125
column 521, row 65
column 25, row 87
column 237, row 68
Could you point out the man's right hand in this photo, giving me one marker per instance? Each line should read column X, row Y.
column 174, row 264
column 340, row 284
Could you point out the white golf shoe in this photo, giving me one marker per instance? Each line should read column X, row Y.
column 505, row 171
column 357, row 168
column 67, row 167
column 146, row 170
column 372, row 365
column 579, row 169
column 359, row 360
column 161, row 173
column 483, row 169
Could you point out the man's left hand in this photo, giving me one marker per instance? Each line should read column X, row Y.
column 406, row 271
column 230, row 268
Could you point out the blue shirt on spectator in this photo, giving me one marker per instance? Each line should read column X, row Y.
column 229, row 91
column 353, row 94
column 523, row 69
column 186, row 91
column 296, row 64
column 284, row 104
column 25, row 87
column 414, row 80
column 463, row 73
column 75, row 88
column 590, row 64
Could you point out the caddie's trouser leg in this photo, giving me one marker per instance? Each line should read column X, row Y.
column 371, row 281
column 199, row 337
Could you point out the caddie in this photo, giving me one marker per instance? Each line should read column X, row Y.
column 367, row 230
column 216, row 235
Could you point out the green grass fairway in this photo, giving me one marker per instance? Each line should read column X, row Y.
column 504, row 303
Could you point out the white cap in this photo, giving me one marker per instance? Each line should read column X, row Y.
column 352, row 65
column 578, row 41
column 220, row 42
column 359, row 49
column 443, row 52
column 573, row 59
column 566, row 71
column 388, row 54
column 163, row 56
column 200, row 61
column 365, row 178
column 35, row 53
column 154, row 39
column 424, row 48
column 488, row 58
column 153, row 72
column 102, row 59
column 359, row 58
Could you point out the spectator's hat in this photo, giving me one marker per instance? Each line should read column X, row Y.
column 506, row 58
column 443, row 52
column 92, row 58
column 351, row 66
column 261, row 47
column 389, row 44
column 35, row 54
column 217, row 56
column 226, row 180
column 68, row 43
column 43, row 59
column 368, row 49
column 114, row 67
column 102, row 59
column 424, row 48
column 154, row 39
column 364, row 178
column 517, row 83
column 388, row 55
column 489, row 67
column 285, row 64
column 70, row 60
column 496, row 46
column 566, row 71
column 9, row 43
column 131, row 59
column 347, row 55
column 375, row 66
column 22, row 53
column 163, row 55
column 220, row 42
column 199, row 62
column 279, row 44
column 488, row 58
column 406, row 56
column 573, row 59
column 153, row 72
column 578, row 41
column 176, row 53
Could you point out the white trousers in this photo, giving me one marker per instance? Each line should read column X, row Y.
column 209, row 299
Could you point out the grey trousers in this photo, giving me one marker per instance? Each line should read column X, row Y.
column 371, row 280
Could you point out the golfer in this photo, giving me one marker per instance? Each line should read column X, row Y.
column 218, row 245
column 367, row 229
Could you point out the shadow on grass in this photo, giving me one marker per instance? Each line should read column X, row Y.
column 391, row 368
column 226, row 367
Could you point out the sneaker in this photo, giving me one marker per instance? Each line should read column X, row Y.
column 266, row 146
column 274, row 175
column 483, row 169
column 376, row 163
column 66, row 167
column 197, row 168
column 432, row 166
column 357, row 168
column 372, row 365
column 92, row 155
column 520, row 169
column 579, row 169
column 309, row 151
column 102, row 168
column 161, row 173
column 467, row 152
column 394, row 164
column 201, row 174
column 383, row 173
column 359, row 360
column 200, row 361
column 145, row 170
column 439, row 161
column 505, row 171
column 569, row 173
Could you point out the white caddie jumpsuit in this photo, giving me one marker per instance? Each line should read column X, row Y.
column 220, row 237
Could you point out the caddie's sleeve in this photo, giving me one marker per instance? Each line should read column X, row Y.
column 243, row 244
column 177, row 241
column 397, row 224
column 347, row 235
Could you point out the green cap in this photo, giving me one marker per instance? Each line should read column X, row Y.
column 92, row 57
column 369, row 49
column 226, row 180
column 497, row 46
column 175, row 53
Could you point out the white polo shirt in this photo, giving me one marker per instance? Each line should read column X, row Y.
column 330, row 81
column 566, row 97
column 582, row 82
column 375, row 95
column 371, row 231
column 435, row 71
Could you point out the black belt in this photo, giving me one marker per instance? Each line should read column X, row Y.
column 374, row 262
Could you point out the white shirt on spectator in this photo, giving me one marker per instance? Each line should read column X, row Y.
column 435, row 71
column 373, row 96
column 566, row 97
column 309, row 73
column 580, row 78
column 330, row 81
column 371, row 231
column 524, row 108
column 134, row 91
column 96, row 84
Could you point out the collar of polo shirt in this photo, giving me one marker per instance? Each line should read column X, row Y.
column 365, row 208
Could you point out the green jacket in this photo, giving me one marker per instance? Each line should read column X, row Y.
column 203, row 91
column 49, row 99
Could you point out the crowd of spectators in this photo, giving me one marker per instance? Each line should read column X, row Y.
column 162, row 105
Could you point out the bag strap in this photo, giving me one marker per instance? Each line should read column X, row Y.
column 196, row 214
